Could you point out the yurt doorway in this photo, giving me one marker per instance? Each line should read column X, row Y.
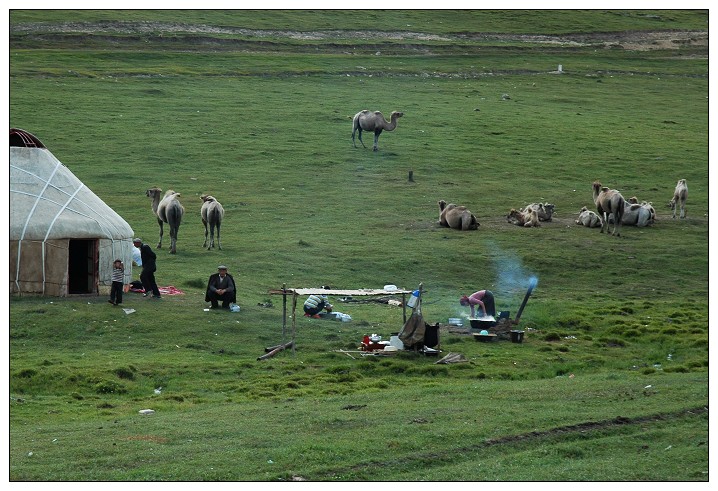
column 82, row 274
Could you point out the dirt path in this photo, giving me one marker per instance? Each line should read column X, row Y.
column 630, row 40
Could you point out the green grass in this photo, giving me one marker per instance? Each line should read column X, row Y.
column 268, row 132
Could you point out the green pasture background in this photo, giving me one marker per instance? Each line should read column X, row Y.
column 611, row 382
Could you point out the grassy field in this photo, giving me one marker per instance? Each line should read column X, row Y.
column 611, row 382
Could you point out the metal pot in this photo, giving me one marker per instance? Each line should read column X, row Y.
column 482, row 323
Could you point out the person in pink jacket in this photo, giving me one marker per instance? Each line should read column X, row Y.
column 482, row 298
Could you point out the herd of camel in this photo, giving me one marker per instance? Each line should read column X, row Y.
column 169, row 210
column 611, row 207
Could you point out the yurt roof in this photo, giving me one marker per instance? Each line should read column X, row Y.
column 47, row 201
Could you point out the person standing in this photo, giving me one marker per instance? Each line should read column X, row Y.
column 482, row 298
column 221, row 286
column 118, row 282
column 149, row 266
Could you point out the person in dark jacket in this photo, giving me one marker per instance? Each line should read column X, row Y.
column 149, row 266
column 221, row 286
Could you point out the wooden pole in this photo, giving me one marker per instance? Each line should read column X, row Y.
column 276, row 350
column 284, row 312
column 418, row 303
column 403, row 305
column 294, row 322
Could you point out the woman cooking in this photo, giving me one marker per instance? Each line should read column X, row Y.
column 482, row 298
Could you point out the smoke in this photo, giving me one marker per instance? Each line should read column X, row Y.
column 512, row 279
column 511, row 274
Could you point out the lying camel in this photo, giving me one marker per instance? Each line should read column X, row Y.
column 637, row 214
column 544, row 210
column 528, row 218
column 588, row 218
column 679, row 198
column 457, row 217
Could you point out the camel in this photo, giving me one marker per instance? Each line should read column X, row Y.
column 679, row 198
column 212, row 215
column 638, row 214
column 609, row 201
column 588, row 218
column 169, row 210
column 523, row 218
column 544, row 210
column 373, row 121
column 455, row 216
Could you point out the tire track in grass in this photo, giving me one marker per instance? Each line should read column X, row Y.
column 449, row 455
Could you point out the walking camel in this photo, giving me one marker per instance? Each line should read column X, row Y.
column 212, row 215
column 609, row 201
column 373, row 121
column 169, row 210
column 679, row 198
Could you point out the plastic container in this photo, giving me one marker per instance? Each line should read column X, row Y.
column 396, row 342
column 517, row 336
column 413, row 299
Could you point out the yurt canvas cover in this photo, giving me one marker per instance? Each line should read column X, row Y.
column 63, row 237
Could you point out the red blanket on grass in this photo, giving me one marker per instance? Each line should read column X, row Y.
column 164, row 290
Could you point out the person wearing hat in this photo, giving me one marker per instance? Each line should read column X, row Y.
column 149, row 266
column 221, row 286
column 482, row 298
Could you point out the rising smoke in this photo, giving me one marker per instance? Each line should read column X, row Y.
column 512, row 280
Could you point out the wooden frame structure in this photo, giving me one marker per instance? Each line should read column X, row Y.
column 296, row 292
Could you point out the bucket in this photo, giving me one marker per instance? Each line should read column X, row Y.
column 517, row 336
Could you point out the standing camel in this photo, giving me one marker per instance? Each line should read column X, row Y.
column 609, row 201
column 679, row 198
column 373, row 121
column 212, row 215
column 169, row 210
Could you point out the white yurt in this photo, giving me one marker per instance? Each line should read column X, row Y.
column 63, row 237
